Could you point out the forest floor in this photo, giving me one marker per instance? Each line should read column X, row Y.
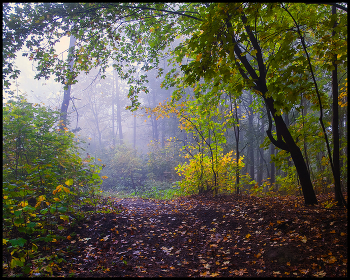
column 199, row 236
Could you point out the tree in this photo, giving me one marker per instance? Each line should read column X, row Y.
column 222, row 45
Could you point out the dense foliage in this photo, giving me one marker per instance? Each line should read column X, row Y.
column 236, row 97
column 45, row 185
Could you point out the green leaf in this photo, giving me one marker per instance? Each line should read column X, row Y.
column 18, row 241
column 31, row 224
column 95, row 176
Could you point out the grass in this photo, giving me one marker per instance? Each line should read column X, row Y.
column 151, row 190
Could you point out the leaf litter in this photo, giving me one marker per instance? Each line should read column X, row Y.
column 211, row 237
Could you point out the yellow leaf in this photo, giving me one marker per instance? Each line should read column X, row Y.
column 254, row 52
column 248, row 235
column 99, row 159
column 23, row 203
column 5, row 197
column 69, row 182
column 66, row 190
column 342, row 233
column 304, row 239
column 58, row 189
column 258, row 255
column 64, row 218
column 56, row 199
column 199, row 56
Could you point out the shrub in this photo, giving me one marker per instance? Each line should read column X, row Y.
column 199, row 174
column 43, row 177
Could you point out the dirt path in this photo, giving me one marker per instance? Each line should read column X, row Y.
column 195, row 237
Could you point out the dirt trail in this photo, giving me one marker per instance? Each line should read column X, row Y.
column 188, row 237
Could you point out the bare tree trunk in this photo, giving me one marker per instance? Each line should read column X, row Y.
column 119, row 113
column 134, row 131
column 335, row 129
column 260, row 173
column 96, row 119
column 251, row 137
column 162, row 125
column 66, row 95
column 113, row 132
column 154, row 120
column 286, row 142
column 236, row 130
column 272, row 165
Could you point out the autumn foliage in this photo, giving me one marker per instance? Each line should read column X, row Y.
column 201, row 175
column 45, row 185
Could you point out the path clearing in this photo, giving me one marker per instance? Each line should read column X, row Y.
column 207, row 237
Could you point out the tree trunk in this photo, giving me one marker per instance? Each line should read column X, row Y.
column 289, row 145
column 272, row 166
column 154, row 119
column 251, row 137
column 97, row 121
column 113, row 131
column 119, row 113
column 335, row 129
column 134, row 131
column 162, row 125
column 260, row 155
column 66, row 95
column 236, row 130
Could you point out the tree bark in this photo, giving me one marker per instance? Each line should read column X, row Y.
column 119, row 113
column 286, row 142
column 272, row 165
column 154, row 119
column 134, row 131
column 66, row 95
column 335, row 128
column 113, row 131
column 251, row 137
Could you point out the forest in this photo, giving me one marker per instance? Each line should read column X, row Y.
column 182, row 139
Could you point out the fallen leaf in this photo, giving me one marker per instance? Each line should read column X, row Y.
column 319, row 274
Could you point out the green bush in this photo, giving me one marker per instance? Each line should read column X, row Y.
column 126, row 170
column 44, row 180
